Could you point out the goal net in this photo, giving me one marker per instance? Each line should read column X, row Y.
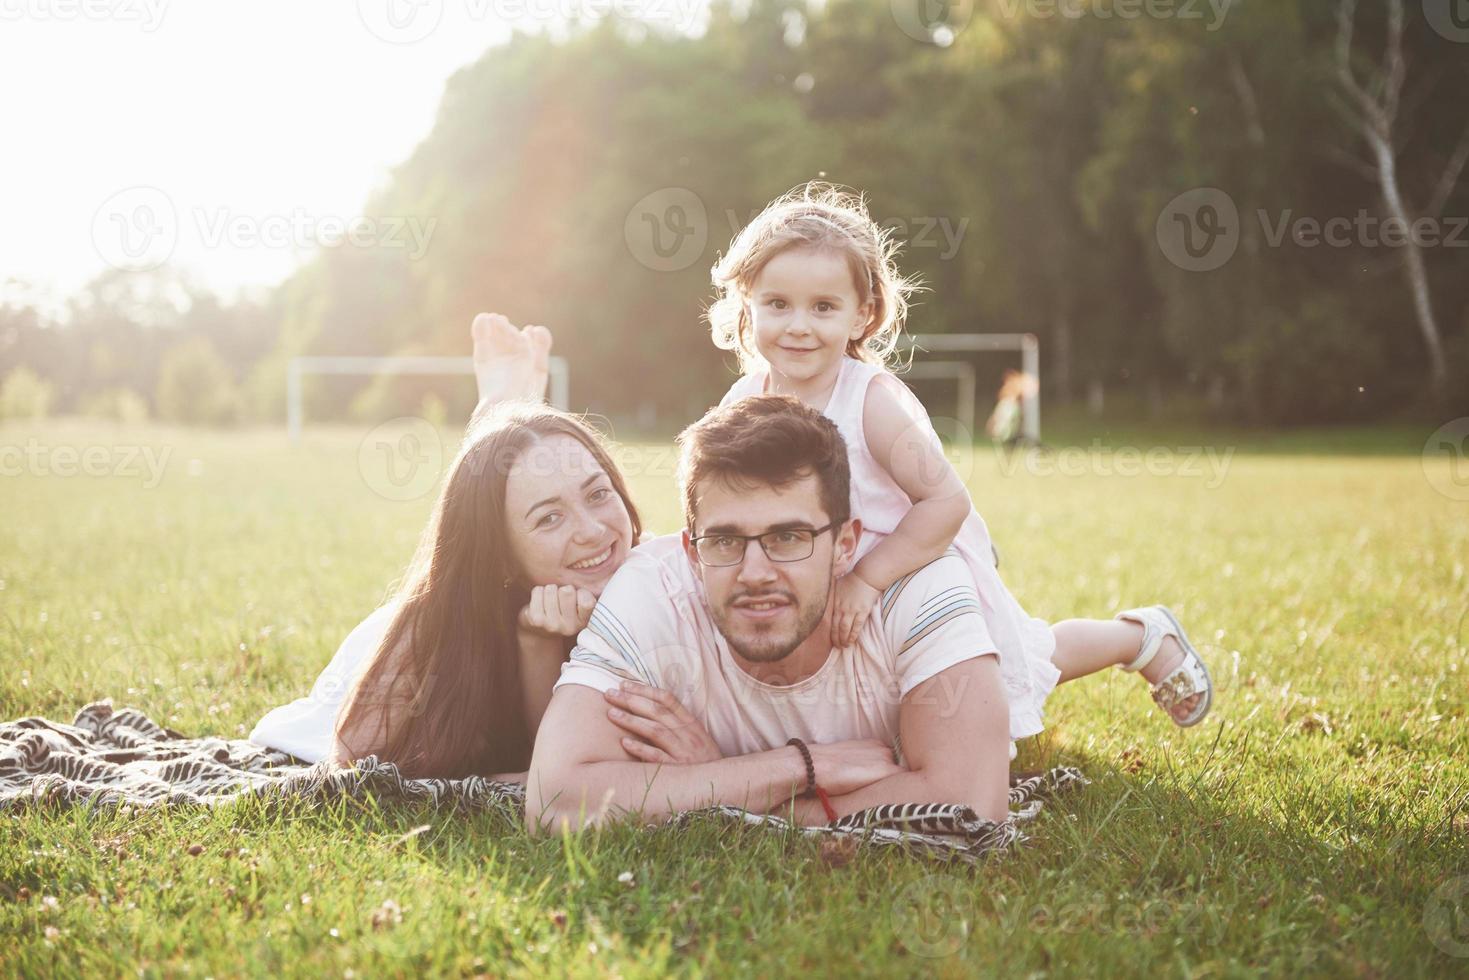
column 961, row 370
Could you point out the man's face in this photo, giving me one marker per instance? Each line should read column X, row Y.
column 765, row 608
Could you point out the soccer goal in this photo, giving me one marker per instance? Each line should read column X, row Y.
column 979, row 343
column 299, row 367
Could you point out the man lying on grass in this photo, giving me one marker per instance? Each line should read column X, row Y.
column 730, row 624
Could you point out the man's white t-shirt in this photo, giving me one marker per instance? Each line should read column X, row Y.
column 652, row 625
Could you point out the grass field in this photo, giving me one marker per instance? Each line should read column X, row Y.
column 1315, row 824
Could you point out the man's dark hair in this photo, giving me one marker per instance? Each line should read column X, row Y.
column 771, row 440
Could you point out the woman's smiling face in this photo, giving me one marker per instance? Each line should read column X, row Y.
column 805, row 310
column 567, row 524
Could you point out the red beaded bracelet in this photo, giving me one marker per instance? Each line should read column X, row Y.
column 831, row 813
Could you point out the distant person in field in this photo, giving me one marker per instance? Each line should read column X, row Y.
column 1004, row 424
column 811, row 301
column 450, row 677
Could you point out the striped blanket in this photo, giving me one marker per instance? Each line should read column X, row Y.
column 119, row 757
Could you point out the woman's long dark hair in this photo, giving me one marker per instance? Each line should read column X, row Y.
column 448, row 670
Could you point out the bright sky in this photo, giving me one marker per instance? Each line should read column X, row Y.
column 246, row 128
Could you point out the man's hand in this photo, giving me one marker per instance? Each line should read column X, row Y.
column 660, row 729
column 852, row 605
column 580, row 773
column 557, row 610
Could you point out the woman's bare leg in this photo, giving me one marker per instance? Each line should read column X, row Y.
column 509, row 364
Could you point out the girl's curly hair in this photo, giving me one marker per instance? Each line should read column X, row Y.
column 815, row 215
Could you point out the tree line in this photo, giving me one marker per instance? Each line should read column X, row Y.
column 1256, row 212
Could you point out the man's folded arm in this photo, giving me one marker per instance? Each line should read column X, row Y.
column 579, row 773
column 955, row 728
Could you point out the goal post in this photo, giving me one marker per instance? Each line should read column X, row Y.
column 982, row 343
column 298, row 367
column 959, row 371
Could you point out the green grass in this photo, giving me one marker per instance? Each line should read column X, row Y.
column 1308, row 826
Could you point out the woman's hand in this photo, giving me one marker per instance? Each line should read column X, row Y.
column 845, row 767
column 660, row 729
column 854, row 602
column 557, row 610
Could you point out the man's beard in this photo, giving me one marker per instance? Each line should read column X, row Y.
column 765, row 646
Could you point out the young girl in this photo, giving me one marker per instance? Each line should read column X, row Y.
column 811, row 301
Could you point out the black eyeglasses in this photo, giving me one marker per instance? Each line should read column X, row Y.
column 789, row 544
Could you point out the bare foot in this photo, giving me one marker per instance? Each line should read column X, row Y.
column 509, row 364
column 1167, row 660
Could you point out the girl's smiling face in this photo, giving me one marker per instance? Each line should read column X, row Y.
column 805, row 310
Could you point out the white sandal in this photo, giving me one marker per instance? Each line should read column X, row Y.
column 1190, row 677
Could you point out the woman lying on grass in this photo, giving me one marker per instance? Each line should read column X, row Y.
column 451, row 677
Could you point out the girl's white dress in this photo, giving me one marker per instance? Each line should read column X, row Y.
column 1025, row 644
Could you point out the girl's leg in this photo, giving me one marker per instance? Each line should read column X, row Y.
column 1085, row 646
